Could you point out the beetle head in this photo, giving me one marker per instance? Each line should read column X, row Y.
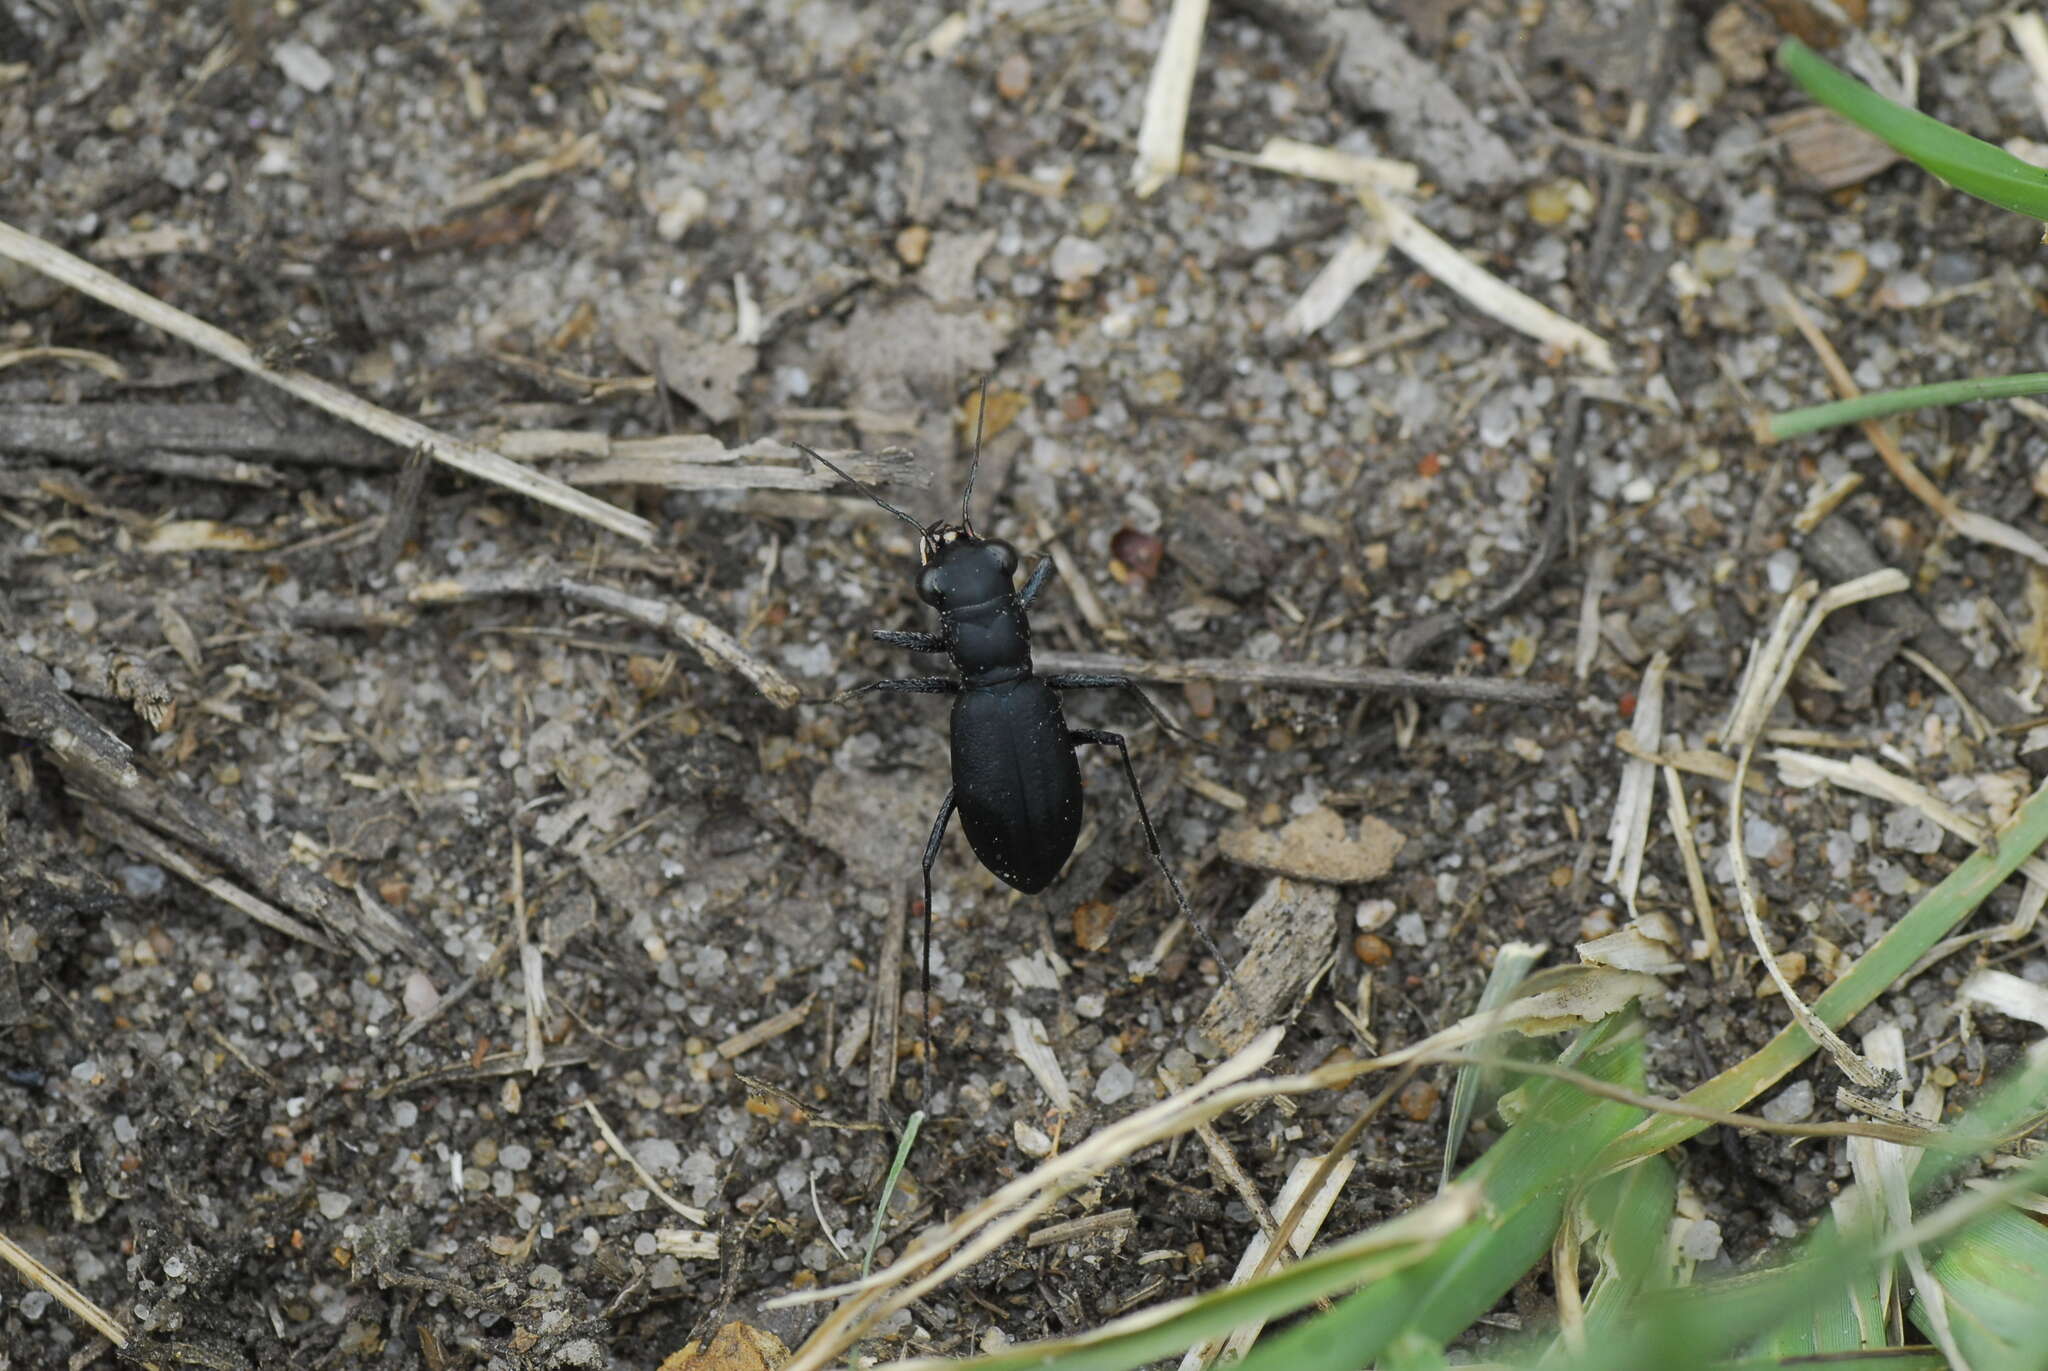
column 964, row 570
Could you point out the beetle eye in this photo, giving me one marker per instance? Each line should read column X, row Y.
column 931, row 586
column 1006, row 556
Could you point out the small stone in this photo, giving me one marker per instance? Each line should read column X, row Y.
column 1908, row 830
column 657, row 1154
column 1791, row 1104
column 421, row 998
column 515, row 1157
column 1013, row 77
column 1701, row 1240
column 333, row 1204
column 1411, row 930
column 1032, row 1142
column 1092, row 921
column 1115, row 1083
column 303, row 65
column 143, row 881
column 1418, row 1100
column 677, row 206
column 1905, row 290
column 1555, row 202
column 1844, row 273
column 1077, row 259
column 1372, row 949
column 912, row 244
column 1714, row 258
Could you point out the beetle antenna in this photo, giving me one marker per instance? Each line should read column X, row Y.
column 974, row 462
column 923, row 533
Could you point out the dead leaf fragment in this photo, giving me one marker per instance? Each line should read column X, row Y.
column 205, row 535
column 707, row 373
column 735, row 1347
column 1318, row 847
column 1829, row 151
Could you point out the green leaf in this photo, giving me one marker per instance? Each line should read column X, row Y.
column 1969, row 164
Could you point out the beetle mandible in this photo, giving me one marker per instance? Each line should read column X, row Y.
column 1016, row 779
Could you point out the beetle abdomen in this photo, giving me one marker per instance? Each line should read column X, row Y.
column 1016, row 781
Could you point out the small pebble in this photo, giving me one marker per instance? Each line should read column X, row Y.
column 142, row 881
column 580, row 1352
column 82, row 616
column 515, row 1157
column 657, row 1154
column 333, row 1204
column 912, row 244
column 421, row 998
column 1701, row 1241
column 303, row 65
column 1418, row 1100
column 1013, row 77
column 1077, row 259
column 1791, row 1104
column 1116, row 1082
column 1092, row 922
column 1410, row 929
column 1372, row 949
column 1032, row 1142
column 1844, row 275
column 1908, row 830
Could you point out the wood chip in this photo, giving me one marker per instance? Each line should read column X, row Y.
column 1288, row 934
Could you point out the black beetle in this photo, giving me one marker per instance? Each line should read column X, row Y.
column 1016, row 782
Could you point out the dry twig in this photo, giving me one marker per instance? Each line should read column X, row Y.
column 1309, row 676
column 408, row 434
column 711, row 642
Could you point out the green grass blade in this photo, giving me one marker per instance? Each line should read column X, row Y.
column 1932, row 919
column 1794, row 423
column 1969, row 164
column 1511, row 966
column 1994, row 1275
column 1527, row 1178
column 1377, row 1255
column 903, row 1147
column 1634, row 1210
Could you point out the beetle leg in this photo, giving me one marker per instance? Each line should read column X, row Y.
column 1104, row 738
column 1082, row 681
column 913, row 685
column 931, row 857
column 1040, row 574
column 909, row 639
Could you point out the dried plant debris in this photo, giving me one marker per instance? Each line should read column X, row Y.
column 709, row 373
column 1318, row 846
column 1288, row 934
